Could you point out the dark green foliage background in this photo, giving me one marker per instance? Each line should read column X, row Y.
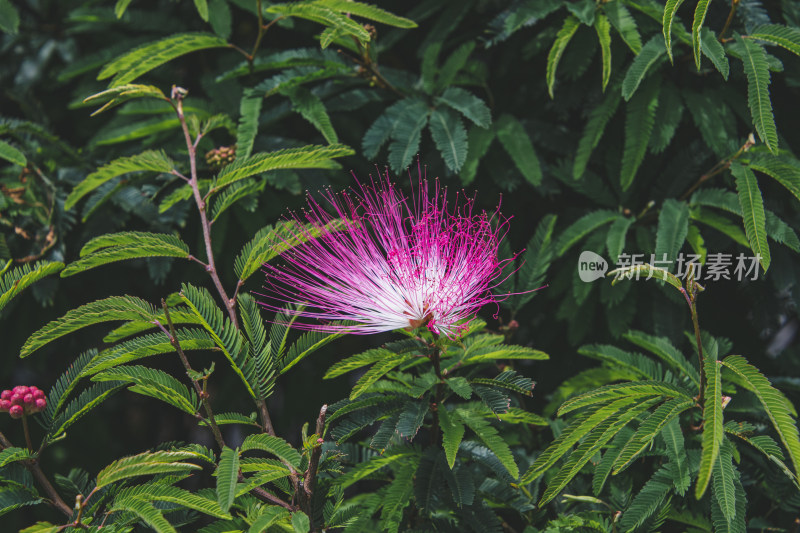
column 50, row 64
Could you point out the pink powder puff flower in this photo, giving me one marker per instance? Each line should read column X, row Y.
column 392, row 263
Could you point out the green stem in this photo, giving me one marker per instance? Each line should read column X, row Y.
column 173, row 339
column 438, row 391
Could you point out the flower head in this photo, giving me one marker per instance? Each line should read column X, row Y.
column 393, row 263
column 22, row 399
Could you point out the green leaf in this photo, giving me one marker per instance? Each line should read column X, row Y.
column 311, row 108
column 354, row 362
column 378, row 370
column 368, row 11
column 737, row 523
column 673, row 225
column 145, row 511
column 145, row 58
column 382, row 129
column 670, row 8
column 155, row 383
column 16, row 280
column 720, row 223
column 676, row 451
column 664, row 350
column 300, row 522
column 516, row 142
column 406, row 133
column 11, row 154
column 649, row 429
column 615, row 240
column 754, row 60
column 145, row 464
column 714, row 119
column 225, row 334
column 713, row 423
column 453, row 66
column 313, row 156
column 114, row 247
column 240, row 190
column 563, row 38
column 249, row 113
column 452, row 434
column 109, row 309
column 130, row 131
column 13, row 454
column 777, row 407
column 219, row 15
column 170, row 494
column 593, row 131
column 410, row 419
column 579, row 426
column 366, row 468
column 623, row 22
column 119, row 95
column 491, row 439
column 85, row 402
column 151, row 160
column 582, row 227
column 478, row 142
column 699, row 17
column 723, row 484
column 755, row 224
column 398, row 496
column 603, row 28
column 202, row 9
column 603, row 468
column 271, row 241
column 274, row 445
column 260, row 349
column 781, row 171
column 515, row 415
column 307, row 344
column 630, row 390
column 450, row 137
column 593, row 443
column 785, row 36
column 647, row 59
column 227, row 476
column 149, row 345
column 713, row 50
column 647, row 501
column 467, row 104
column 9, row 17
column 322, row 15
column 460, row 386
column 120, row 7
column 668, row 117
column 639, row 121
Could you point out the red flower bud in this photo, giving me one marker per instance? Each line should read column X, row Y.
column 27, row 399
column 41, row 403
column 16, row 399
column 38, row 394
column 5, row 395
column 16, row 411
column 5, row 405
column 20, row 389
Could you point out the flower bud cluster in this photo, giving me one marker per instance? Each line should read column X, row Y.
column 22, row 400
column 219, row 157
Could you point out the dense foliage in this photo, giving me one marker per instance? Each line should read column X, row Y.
column 158, row 145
